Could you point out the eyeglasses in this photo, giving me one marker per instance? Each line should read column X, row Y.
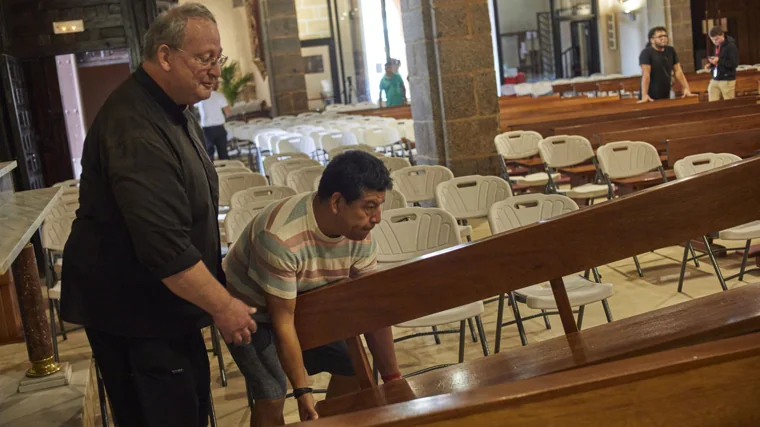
column 205, row 62
column 662, row 36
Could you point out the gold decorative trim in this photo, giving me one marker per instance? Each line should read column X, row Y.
column 43, row 368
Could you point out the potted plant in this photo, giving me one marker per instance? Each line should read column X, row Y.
column 232, row 85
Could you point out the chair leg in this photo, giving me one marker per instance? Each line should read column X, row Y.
column 219, row 357
column 499, row 320
column 53, row 332
column 482, row 333
column 435, row 335
column 546, row 319
column 57, row 305
column 211, row 411
column 461, row 340
column 472, row 330
column 638, row 266
column 102, row 396
column 683, row 266
column 518, row 319
column 607, row 311
column 744, row 260
column 581, row 310
column 693, row 253
column 597, row 276
column 714, row 263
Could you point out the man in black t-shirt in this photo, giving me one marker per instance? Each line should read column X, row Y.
column 658, row 61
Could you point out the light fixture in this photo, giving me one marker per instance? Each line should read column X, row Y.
column 66, row 27
column 631, row 6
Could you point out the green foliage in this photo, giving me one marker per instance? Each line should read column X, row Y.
column 232, row 85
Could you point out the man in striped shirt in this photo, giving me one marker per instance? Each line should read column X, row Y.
column 296, row 245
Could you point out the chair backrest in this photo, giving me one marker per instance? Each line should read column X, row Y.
column 231, row 183
column 257, row 195
column 517, row 144
column 302, row 180
column 280, row 170
column 343, row 148
column 358, row 132
column 394, row 199
column 418, row 183
column 295, row 144
column 526, row 209
column 56, row 230
column 377, row 136
column 218, row 164
column 66, row 205
column 232, row 169
column 330, row 140
column 274, row 158
column 408, row 233
column 471, row 196
column 238, row 218
column 259, row 121
column 67, row 183
column 698, row 163
column 395, row 163
column 627, row 158
column 564, row 150
column 406, row 129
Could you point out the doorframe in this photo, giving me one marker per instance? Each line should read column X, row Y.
column 330, row 43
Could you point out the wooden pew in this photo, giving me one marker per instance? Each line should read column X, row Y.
column 745, row 143
column 710, row 384
column 632, row 105
column 656, row 135
column 399, row 112
column 713, row 317
column 510, row 261
column 589, row 130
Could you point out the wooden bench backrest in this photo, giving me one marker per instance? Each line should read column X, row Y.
column 745, row 143
column 509, row 261
column 589, row 130
column 717, row 316
column 710, row 384
column 656, row 135
column 563, row 105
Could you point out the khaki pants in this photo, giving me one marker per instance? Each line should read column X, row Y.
column 721, row 89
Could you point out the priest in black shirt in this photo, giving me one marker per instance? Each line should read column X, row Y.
column 142, row 266
column 658, row 61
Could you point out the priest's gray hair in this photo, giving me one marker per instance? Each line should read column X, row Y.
column 169, row 27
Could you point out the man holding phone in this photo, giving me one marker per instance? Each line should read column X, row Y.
column 722, row 66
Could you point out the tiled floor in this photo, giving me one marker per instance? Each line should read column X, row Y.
column 633, row 295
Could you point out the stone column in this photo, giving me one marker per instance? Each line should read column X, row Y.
column 452, row 84
column 39, row 343
column 282, row 47
column 679, row 14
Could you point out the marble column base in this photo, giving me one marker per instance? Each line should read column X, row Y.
column 60, row 378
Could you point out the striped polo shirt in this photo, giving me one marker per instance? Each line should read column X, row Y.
column 282, row 252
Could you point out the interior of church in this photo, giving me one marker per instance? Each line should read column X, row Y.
column 571, row 238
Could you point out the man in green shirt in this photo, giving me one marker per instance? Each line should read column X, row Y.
column 393, row 85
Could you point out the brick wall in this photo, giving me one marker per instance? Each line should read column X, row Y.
column 313, row 19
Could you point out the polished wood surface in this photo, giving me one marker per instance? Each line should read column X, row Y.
column 622, row 228
column 563, row 305
column 640, row 182
column 710, row 384
column 744, row 144
column 657, row 134
column 718, row 113
column 361, row 362
column 713, row 317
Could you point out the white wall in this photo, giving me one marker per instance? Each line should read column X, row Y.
column 631, row 41
column 236, row 40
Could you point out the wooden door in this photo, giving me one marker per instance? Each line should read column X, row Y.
column 23, row 132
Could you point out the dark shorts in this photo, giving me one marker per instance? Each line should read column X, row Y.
column 154, row 382
column 260, row 365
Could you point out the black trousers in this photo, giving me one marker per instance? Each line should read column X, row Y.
column 216, row 140
column 154, row 381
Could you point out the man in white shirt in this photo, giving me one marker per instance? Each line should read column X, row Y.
column 213, row 113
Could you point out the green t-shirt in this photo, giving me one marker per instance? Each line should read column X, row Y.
column 392, row 86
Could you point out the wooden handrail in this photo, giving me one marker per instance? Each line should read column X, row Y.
column 633, row 224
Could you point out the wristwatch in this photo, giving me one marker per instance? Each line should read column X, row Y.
column 298, row 392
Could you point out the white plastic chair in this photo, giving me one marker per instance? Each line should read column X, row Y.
column 308, row 114
column 239, row 218
column 274, row 158
column 524, row 89
column 394, row 199
column 342, row 149
column 519, row 211
column 232, row 169
column 696, row 164
column 330, row 140
column 381, row 136
column 295, row 144
column 470, row 197
column 395, row 163
column 229, row 184
column 257, row 195
column 408, row 233
column 280, row 170
column 418, row 183
column 66, row 205
column 564, row 151
column 70, row 186
column 518, row 145
column 218, row 164
column 406, row 129
column 302, row 180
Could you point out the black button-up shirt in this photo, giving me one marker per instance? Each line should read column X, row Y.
column 148, row 210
